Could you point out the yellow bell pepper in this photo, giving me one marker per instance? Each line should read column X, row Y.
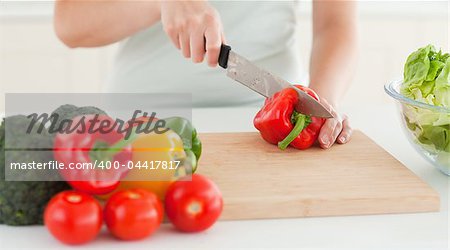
column 152, row 147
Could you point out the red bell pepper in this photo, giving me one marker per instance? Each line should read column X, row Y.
column 278, row 122
column 100, row 147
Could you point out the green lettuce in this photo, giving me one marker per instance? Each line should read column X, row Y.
column 426, row 79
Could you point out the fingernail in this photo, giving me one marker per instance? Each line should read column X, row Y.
column 325, row 142
column 342, row 139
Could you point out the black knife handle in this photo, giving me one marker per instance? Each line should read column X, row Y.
column 223, row 55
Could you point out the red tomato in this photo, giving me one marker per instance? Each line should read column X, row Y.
column 133, row 214
column 73, row 217
column 193, row 205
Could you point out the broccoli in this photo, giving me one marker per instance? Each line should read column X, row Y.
column 23, row 202
column 68, row 112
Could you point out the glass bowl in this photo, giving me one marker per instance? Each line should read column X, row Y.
column 427, row 127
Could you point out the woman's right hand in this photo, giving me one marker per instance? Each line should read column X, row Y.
column 194, row 27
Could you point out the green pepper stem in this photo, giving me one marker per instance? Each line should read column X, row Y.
column 118, row 146
column 299, row 121
column 109, row 152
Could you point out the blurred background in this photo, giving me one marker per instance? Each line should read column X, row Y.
column 32, row 59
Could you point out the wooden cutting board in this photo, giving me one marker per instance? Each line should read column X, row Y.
column 258, row 180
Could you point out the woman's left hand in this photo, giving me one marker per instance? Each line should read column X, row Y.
column 335, row 129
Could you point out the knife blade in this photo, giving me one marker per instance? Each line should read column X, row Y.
column 265, row 83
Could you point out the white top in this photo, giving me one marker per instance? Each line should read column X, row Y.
column 264, row 32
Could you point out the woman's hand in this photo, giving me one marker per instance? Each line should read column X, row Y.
column 335, row 129
column 194, row 27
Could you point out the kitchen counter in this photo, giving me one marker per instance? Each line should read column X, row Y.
column 403, row 231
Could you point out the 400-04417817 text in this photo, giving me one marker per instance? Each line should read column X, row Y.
column 56, row 165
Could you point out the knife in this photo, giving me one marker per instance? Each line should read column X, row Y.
column 265, row 83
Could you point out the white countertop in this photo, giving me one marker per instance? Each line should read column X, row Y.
column 404, row 231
